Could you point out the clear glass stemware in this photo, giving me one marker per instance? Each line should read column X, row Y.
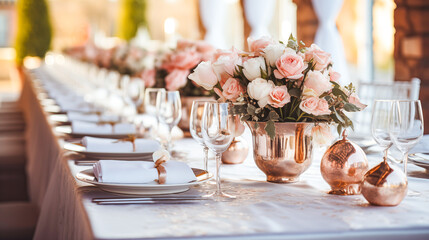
column 150, row 97
column 169, row 108
column 195, row 127
column 218, row 127
column 380, row 124
column 406, row 126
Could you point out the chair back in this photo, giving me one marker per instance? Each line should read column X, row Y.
column 369, row 92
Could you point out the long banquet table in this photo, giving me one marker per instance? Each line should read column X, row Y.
column 262, row 210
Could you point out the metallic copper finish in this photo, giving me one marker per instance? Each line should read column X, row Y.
column 385, row 185
column 284, row 158
column 343, row 166
column 236, row 152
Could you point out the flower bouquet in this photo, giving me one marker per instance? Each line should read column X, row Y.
column 280, row 82
column 174, row 67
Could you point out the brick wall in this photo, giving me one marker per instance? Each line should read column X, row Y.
column 412, row 47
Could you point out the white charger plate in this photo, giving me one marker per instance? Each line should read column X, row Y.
column 143, row 188
column 68, row 130
column 77, row 147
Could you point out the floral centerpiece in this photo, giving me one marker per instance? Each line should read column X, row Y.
column 287, row 93
column 174, row 67
column 280, row 82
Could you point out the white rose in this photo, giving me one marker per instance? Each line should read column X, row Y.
column 318, row 82
column 273, row 52
column 226, row 65
column 204, row 75
column 259, row 89
column 252, row 68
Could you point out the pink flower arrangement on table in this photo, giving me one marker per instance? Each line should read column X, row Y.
column 278, row 82
column 176, row 65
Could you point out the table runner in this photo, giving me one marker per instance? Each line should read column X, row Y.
column 262, row 210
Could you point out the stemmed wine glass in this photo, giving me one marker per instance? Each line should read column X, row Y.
column 169, row 108
column 406, row 126
column 150, row 97
column 195, row 127
column 380, row 124
column 218, row 127
column 133, row 92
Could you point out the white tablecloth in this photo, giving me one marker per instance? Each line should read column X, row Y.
column 262, row 210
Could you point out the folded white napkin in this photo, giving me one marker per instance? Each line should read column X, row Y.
column 91, row 117
column 94, row 128
column 93, row 144
column 115, row 171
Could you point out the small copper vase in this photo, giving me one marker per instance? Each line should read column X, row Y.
column 236, row 152
column 343, row 167
column 385, row 185
column 284, row 158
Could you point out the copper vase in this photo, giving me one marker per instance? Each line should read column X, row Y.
column 284, row 158
column 385, row 185
column 237, row 152
column 343, row 167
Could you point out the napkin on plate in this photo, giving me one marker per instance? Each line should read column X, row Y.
column 91, row 117
column 116, row 171
column 94, row 128
column 93, row 144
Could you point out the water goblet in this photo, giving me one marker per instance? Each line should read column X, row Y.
column 169, row 109
column 195, row 127
column 218, row 127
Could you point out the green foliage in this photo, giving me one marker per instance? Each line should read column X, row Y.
column 34, row 29
column 132, row 15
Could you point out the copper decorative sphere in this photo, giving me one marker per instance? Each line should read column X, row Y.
column 236, row 152
column 385, row 185
column 343, row 167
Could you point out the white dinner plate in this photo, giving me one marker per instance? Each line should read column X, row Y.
column 53, row 109
column 79, row 148
column 68, row 130
column 420, row 159
column 143, row 188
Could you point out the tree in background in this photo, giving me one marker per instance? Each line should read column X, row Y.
column 34, row 29
column 132, row 15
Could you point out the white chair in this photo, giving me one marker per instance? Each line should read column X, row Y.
column 369, row 92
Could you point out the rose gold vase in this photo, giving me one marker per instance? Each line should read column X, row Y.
column 343, row 167
column 284, row 158
column 186, row 110
column 236, row 152
column 385, row 185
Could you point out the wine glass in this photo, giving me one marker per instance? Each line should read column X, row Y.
column 195, row 127
column 218, row 127
column 406, row 126
column 169, row 108
column 150, row 97
column 380, row 124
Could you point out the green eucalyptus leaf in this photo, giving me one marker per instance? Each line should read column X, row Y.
column 339, row 93
column 251, row 110
column 349, row 107
column 274, row 116
column 256, row 125
column 270, row 128
column 294, row 92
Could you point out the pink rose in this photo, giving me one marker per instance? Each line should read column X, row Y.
column 318, row 82
column 289, row 65
column 205, row 49
column 225, row 64
column 148, row 76
column 354, row 99
column 257, row 46
column 279, row 96
column 232, row 89
column 184, row 60
column 334, row 76
column 322, row 134
column 316, row 106
column 320, row 57
column 176, row 79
